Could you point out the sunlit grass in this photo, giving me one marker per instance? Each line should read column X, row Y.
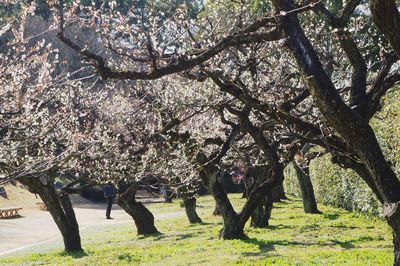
column 336, row 237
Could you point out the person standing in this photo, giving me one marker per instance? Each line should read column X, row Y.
column 109, row 193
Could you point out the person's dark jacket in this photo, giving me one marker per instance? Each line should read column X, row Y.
column 109, row 191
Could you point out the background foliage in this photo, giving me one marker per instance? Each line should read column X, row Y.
column 344, row 188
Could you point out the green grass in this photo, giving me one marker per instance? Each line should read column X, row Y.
column 336, row 237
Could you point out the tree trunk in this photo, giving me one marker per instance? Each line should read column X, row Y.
column 167, row 195
column 278, row 193
column 391, row 212
column 234, row 223
column 232, row 228
column 396, row 244
column 307, row 190
column 60, row 208
column 258, row 217
column 347, row 162
column 144, row 219
column 386, row 16
column 269, row 203
column 351, row 126
column 190, row 208
column 262, row 214
column 216, row 211
column 70, row 231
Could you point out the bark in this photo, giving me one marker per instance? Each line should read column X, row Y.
column 167, row 194
column 144, row 219
column 349, row 163
column 386, row 16
column 352, row 127
column 216, row 211
column 220, row 178
column 391, row 212
column 278, row 193
column 190, row 208
column 396, row 244
column 70, row 231
column 60, row 208
column 262, row 214
column 233, row 222
column 268, row 207
column 209, row 173
column 259, row 218
column 232, row 228
column 307, row 190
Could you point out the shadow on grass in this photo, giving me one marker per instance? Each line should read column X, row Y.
column 344, row 227
column 279, row 227
column 185, row 236
column 157, row 236
column 75, row 254
column 201, row 224
column 283, row 202
column 264, row 246
column 309, row 227
column 342, row 244
column 333, row 216
column 349, row 243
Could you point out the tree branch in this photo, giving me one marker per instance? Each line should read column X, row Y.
column 387, row 18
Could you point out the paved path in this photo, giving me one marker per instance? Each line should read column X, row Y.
column 37, row 227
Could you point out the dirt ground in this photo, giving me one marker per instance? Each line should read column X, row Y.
column 35, row 227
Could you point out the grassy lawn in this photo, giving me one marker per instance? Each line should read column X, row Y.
column 336, row 237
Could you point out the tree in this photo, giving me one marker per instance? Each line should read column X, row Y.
column 347, row 131
column 39, row 129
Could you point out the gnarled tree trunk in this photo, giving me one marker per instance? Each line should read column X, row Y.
column 233, row 222
column 144, row 219
column 190, row 208
column 307, row 190
column 262, row 214
column 60, row 208
column 232, row 228
column 278, row 193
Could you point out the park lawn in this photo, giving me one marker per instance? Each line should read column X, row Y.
column 336, row 237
